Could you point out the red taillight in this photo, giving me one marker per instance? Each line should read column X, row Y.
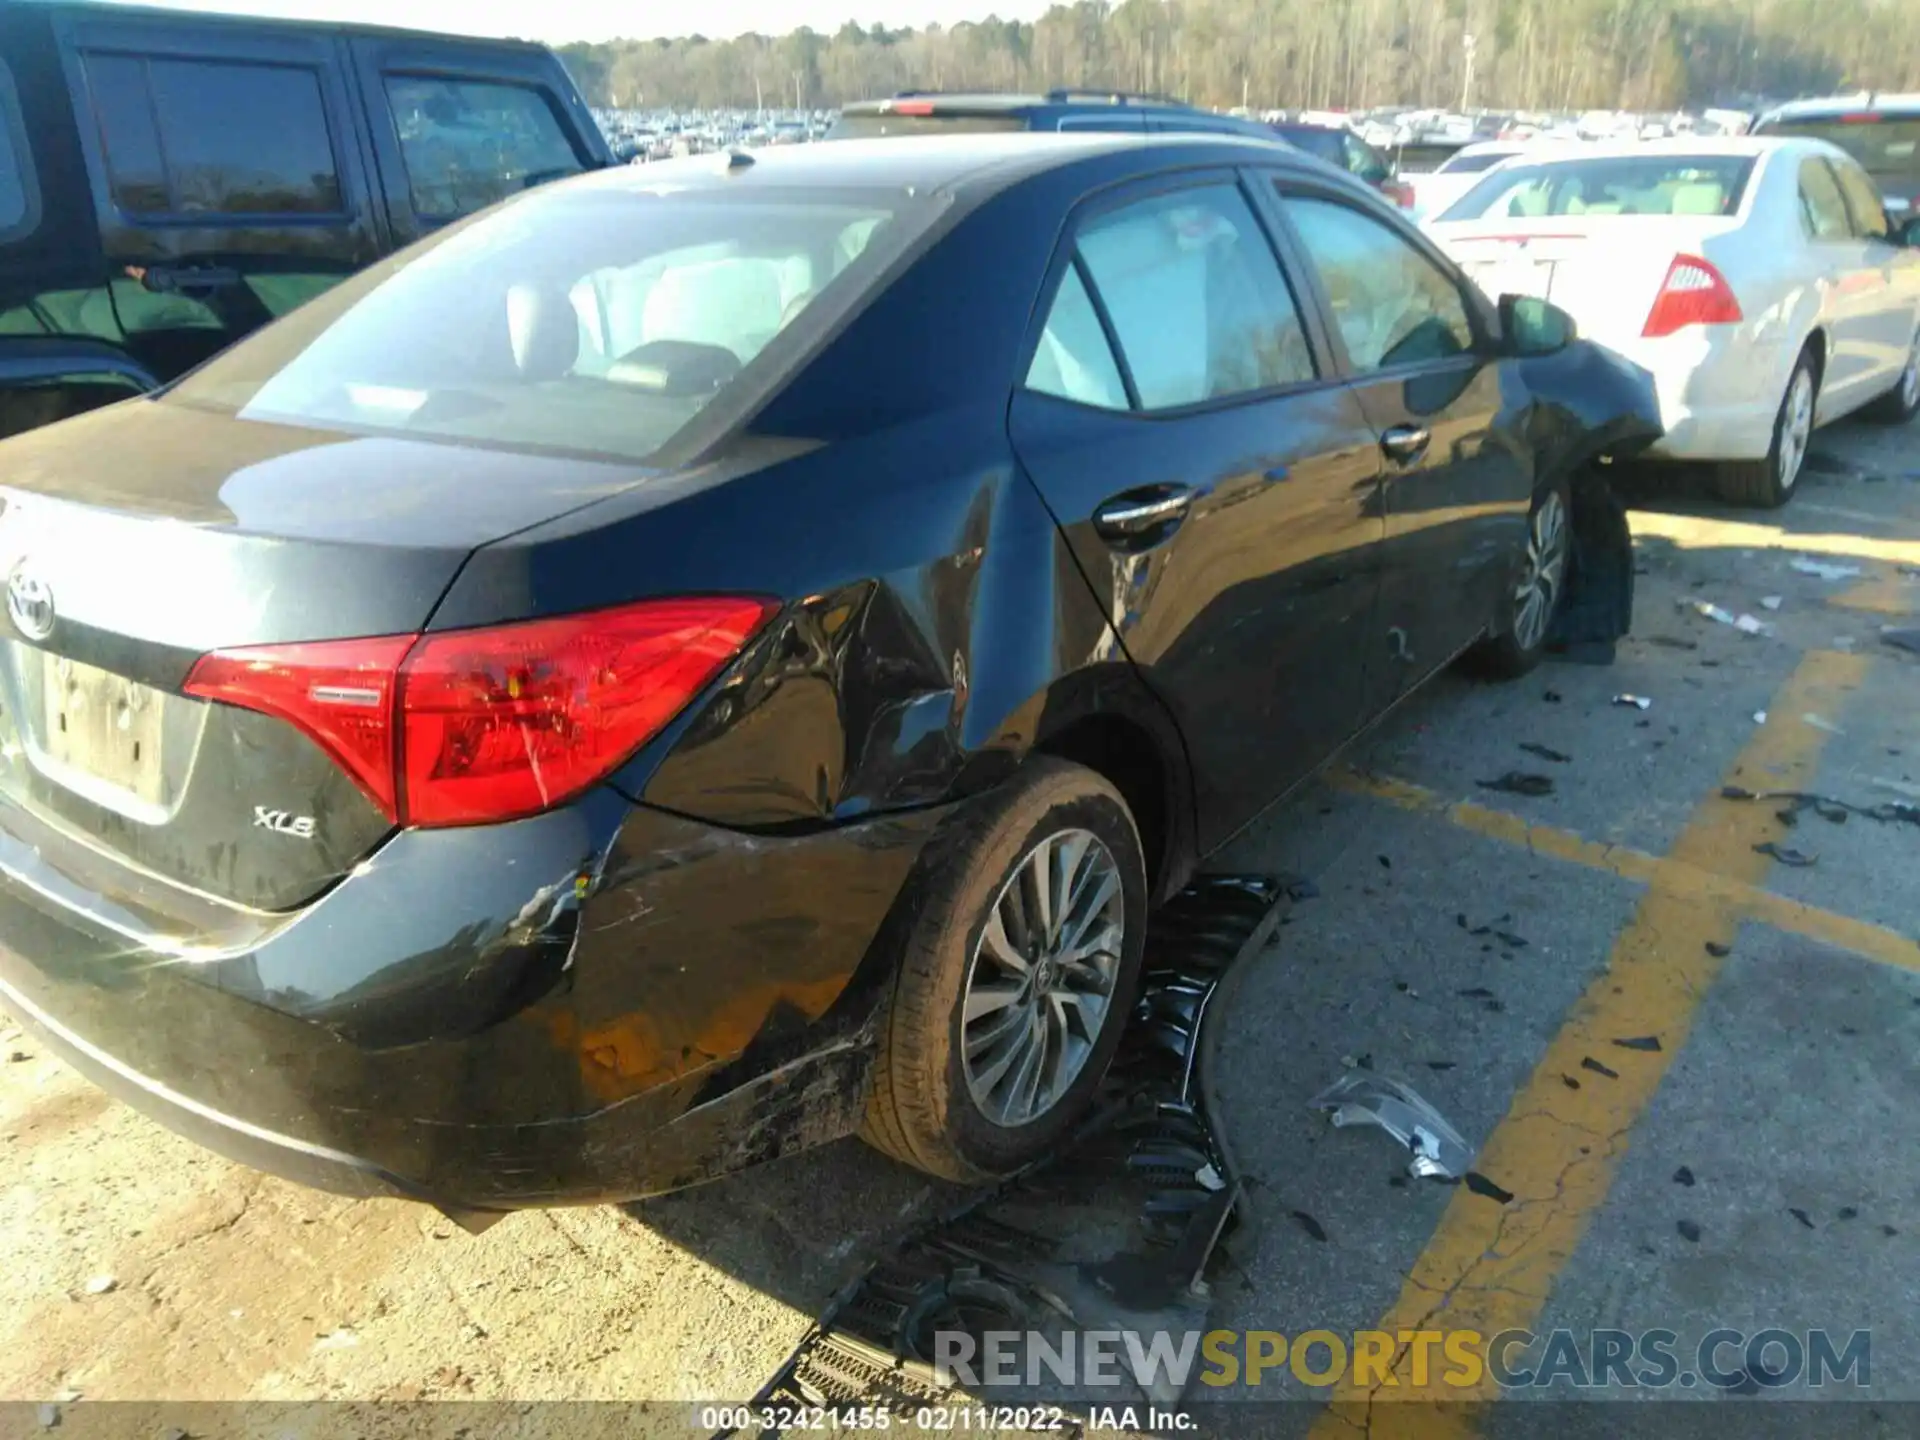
column 470, row 727
column 911, row 107
column 1694, row 293
column 1399, row 192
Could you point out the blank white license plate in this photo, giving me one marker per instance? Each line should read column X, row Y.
column 103, row 726
column 1518, row 277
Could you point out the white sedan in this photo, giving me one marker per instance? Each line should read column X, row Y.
column 1760, row 282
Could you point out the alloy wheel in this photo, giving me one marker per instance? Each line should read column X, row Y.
column 1042, row 977
column 1546, row 571
column 1910, row 378
column 1796, row 428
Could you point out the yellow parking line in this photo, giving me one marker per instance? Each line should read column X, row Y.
column 1693, row 532
column 1843, row 932
column 1887, row 593
column 1490, row 1267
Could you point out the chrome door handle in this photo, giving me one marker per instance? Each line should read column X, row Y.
column 1132, row 516
column 1406, row 443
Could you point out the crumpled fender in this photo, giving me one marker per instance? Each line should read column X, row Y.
column 1592, row 407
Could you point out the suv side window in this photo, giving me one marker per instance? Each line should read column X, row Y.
column 213, row 137
column 1196, row 298
column 468, row 143
column 1393, row 305
column 19, row 192
column 1822, row 209
column 1863, row 200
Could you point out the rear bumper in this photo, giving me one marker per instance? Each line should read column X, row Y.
column 1719, row 388
column 601, row 1003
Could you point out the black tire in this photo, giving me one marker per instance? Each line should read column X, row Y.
column 1902, row 403
column 1768, row 484
column 1506, row 653
column 921, row 1109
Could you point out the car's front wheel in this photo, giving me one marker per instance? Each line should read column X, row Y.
column 1519, row 636
column 1016, row 977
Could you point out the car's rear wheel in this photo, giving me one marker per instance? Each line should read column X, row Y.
column 1519, row 639
column 1768, row 484
column 1016, row 977
column 1902, row 403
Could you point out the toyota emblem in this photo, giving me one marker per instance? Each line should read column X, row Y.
column 30, row 603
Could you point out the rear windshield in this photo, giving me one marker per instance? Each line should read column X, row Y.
column 586, row 318
column 1329, row 145
column 1617, row 185
column 1475, row 164
column 876, row 126
column 1888, row 150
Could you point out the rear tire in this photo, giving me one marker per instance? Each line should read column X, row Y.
column 1900, row 404
column 1768, row 484
column 1519, row 641
column 961, row 1098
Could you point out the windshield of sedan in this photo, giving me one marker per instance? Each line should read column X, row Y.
column 1887, row 149
column 594, row 318
column 1613, row 185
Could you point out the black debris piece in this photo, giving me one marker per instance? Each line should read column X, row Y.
column 1888, row 1231
column 1787, row 855
column 1510, row 940
column 1481, row 1185
column 1717, row 950
column 1788, row 818
column 1903, row 639
column 1848, row 1030
column 1495, row 1006
column 1569, row 1082
column 1385, row 863
column 1800, row 1215
column 1552, row 697
column 1833, row 811
column 1546, row 752
column 1312, row 1226
column 1689, row 1231
column 1478, row 992
column 1364, row 1062
column 1683, row 1176
column 1847, row 1212
column 1402, row 986
column 1673, row 643
column 1520, row 782
column 1440, row 1064
column 1302, row 889
column 1398, row 1182
column 1460, row 920
column 1736, row 792
column 1589, row 1063
column 1640, row 1042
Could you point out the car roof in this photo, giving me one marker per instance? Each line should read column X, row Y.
column 972, row 162
column 1753, row 146
column 157, row 15
column 1008, row 102
column 1832, row 107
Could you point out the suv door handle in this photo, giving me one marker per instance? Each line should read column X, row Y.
column 1138, row 514
column 1405, row 444
column 188, row 279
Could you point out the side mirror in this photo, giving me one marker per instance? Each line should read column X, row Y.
column 1534, row 327
column 1907, row 232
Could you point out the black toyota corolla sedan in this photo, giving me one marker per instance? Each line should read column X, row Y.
column 698, row 661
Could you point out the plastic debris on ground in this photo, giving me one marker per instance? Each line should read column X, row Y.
column 1546, row 752
column 1364, row 1099
column 1759, row 717
column 1772, row 602
column 1824, row 569
column 1791, row 858
column 1904, row 639
column 1834, row 811
column 1820, row 722
column 1638, row 702
column 1519, row 782
column 1745, row 624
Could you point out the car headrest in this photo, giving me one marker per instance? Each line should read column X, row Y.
column 543, row 330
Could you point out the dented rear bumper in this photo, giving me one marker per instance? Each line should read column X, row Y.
column 596, row 1004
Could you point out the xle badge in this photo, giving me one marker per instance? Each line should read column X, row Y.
column 280, row 820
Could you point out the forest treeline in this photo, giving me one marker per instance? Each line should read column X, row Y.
column 1546, row 54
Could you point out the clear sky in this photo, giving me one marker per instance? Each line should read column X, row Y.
column 555, row 21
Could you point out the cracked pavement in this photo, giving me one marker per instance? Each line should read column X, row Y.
column 1784, row 1086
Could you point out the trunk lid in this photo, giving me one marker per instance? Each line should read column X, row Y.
column 1605, row 272
column 136, row 539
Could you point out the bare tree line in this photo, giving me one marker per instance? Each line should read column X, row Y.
column 1546, row 54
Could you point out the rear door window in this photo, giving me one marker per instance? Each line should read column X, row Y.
column 213, row 137
column 19, row 192
column 1864, row 201
column 1196, row 298
column 469, row 143
column 1823, row 210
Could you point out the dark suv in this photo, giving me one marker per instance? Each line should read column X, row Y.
column 1882, row 132
column 926, row 112
column 170, row 182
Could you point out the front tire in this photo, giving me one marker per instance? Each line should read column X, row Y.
column 1768, row 484
column 1519, row 641
column 1016, row 977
